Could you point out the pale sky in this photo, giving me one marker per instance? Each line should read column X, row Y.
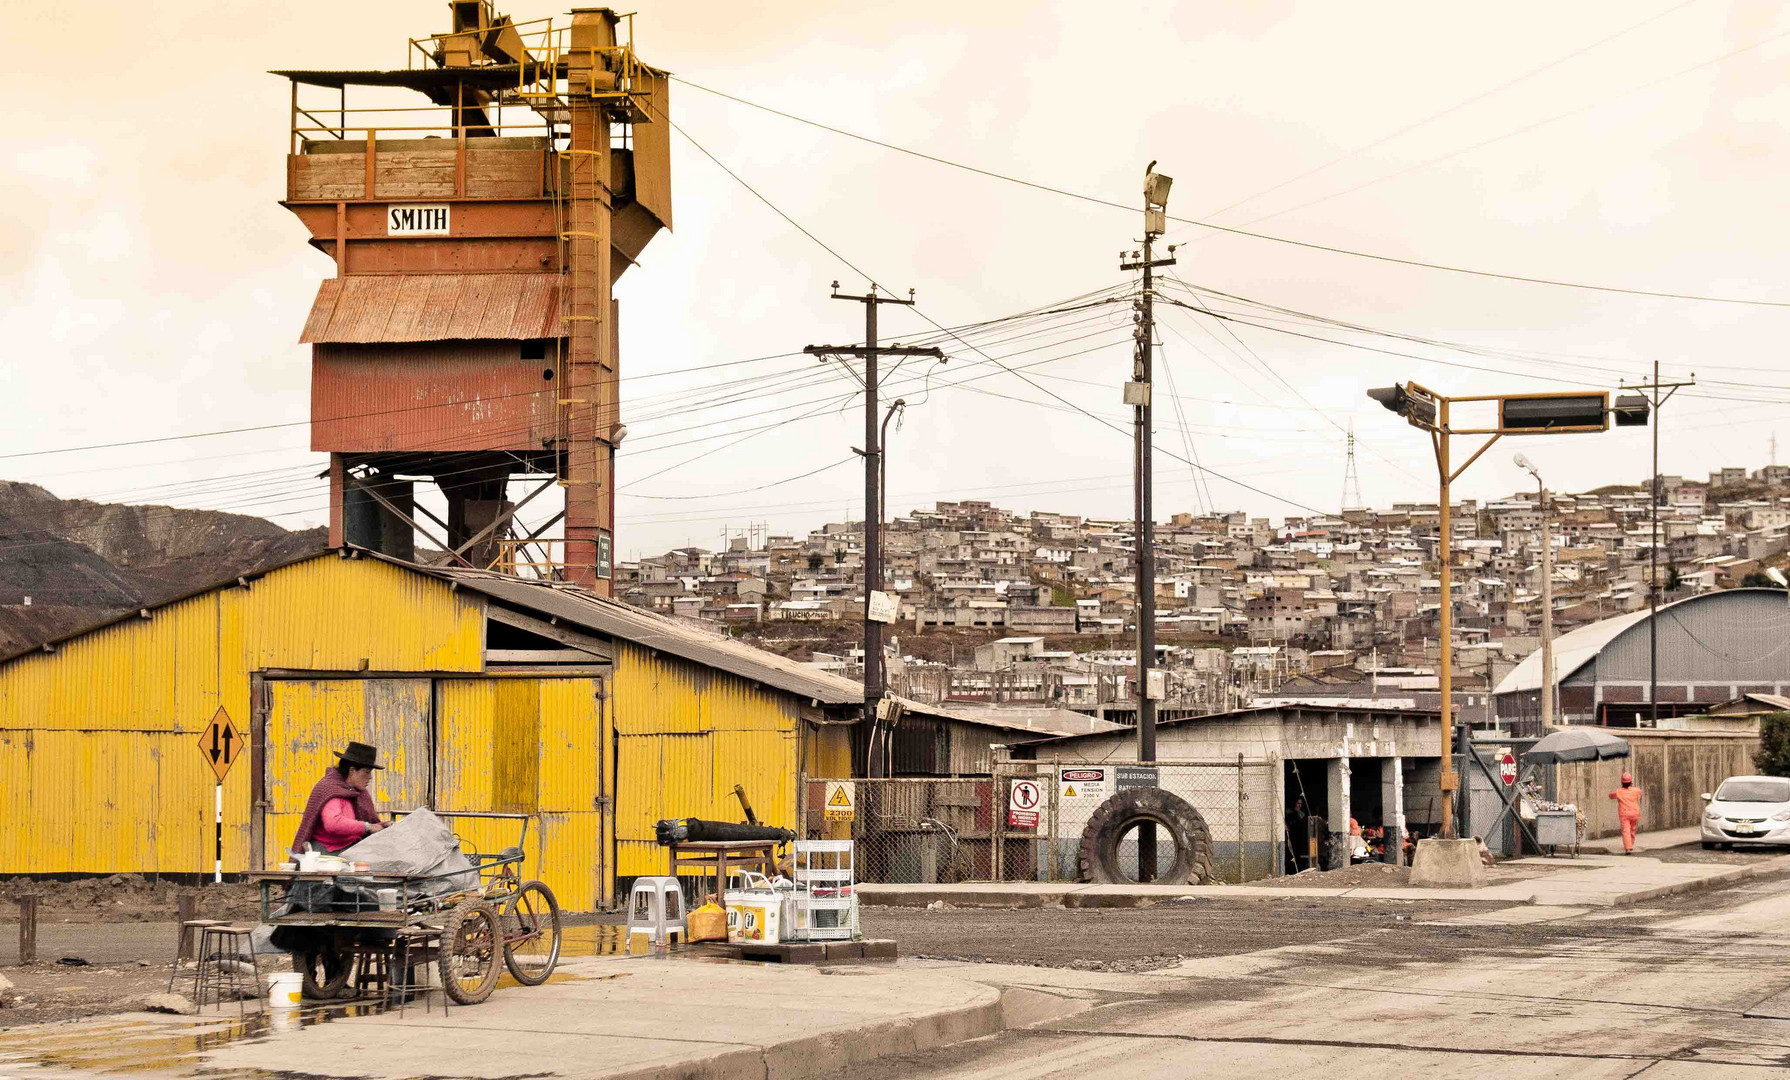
column 154, row 287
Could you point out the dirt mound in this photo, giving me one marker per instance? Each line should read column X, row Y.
column 1371, row 874
column 128, row 898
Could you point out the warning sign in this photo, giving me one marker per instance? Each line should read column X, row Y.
column 1022, row 804
column 1085, row 786
column 1507, row 768
column 842, row 800
column 220, row 744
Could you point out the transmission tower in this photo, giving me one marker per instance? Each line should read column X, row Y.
column 1351, row 496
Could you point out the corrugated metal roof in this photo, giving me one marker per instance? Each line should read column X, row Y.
column 372, row 308
column 1041, row 720
column 1576, row 648
column 696, row 644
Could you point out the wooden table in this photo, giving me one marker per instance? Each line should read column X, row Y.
column 719, row 856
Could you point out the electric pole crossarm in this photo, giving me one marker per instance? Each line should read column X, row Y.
column 871, row 351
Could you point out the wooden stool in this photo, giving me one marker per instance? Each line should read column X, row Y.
column 221, row 949
column 374, row 972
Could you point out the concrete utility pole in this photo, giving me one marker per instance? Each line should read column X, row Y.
column 1137, row 395
column 1547, row 600
column 1655, row 398
column 869, row 352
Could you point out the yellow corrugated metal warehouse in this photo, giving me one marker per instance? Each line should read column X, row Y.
column 483, row 693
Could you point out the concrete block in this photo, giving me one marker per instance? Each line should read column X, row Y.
column 845, row 950
column 879, row 949
column 1452, row 864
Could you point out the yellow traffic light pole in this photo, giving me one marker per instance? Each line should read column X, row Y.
column 1535, row 414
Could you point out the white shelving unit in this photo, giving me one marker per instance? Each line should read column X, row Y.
column 824, row 904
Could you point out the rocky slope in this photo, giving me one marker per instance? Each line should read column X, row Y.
column 81, row 562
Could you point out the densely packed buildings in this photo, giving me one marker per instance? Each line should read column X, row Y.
column 1037, row 606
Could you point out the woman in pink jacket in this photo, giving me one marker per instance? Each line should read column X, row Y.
column 1628, row 811
column 340, row 812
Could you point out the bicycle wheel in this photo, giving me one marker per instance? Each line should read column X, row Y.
column 531, row 933
column 325, row 973
column 469, row 952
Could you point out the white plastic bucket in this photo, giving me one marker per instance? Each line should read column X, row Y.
column 285, row 990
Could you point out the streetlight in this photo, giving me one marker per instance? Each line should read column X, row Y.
column 1518, row 414
column 1547, row 597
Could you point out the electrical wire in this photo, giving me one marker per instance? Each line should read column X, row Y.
column 1289, row 241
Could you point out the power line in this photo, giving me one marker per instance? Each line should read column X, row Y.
column 1456, row 107
column 1306, row 244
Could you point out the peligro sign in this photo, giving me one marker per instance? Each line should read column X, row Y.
column 417, row 219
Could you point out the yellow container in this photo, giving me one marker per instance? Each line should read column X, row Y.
column 706, row 923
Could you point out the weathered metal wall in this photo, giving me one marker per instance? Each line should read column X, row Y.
column 1672, row 768
column 534, row 747
column 100, row 768
column 435, row 396
column 686, row 735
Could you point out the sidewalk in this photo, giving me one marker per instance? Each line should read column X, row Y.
column 641, row 1018
column 1592, row 880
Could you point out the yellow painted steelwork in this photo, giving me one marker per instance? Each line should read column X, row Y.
column 686, row 734
column 100, row 769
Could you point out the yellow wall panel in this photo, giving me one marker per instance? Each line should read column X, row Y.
column 516, row 746
column 466, row 710
column 573, row 744
column 573, row 861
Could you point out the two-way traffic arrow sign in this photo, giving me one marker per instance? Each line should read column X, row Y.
column 220, row 744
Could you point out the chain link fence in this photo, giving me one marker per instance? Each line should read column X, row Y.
column 1026, row 821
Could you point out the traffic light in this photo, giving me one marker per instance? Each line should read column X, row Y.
column 1418, row 410
column 1630, row 410
column 1552, row 412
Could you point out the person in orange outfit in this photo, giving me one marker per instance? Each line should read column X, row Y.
column 1628, row 811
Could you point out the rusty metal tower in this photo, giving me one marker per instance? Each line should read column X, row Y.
column 468, row 338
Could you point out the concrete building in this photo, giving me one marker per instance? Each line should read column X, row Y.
column 1380, row 765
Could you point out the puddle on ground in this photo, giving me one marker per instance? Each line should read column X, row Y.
column 137, row 1047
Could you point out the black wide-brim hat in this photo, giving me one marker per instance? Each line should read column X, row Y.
column 362, row 755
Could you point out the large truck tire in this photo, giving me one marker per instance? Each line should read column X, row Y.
column 1098, row 858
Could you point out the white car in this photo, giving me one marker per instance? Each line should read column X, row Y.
column 1747, row 810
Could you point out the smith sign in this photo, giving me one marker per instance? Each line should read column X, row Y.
column 417, row 220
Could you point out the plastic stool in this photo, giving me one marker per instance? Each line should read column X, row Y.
column 221, row 949
column 656, row 910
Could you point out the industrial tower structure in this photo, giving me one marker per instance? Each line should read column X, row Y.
column 468, row 339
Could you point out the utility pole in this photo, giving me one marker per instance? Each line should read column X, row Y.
column 1137, row 395
column 1547, row 597
column 869, row 352
column 1658, row 394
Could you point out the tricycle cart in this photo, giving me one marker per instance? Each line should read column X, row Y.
column 501, row 916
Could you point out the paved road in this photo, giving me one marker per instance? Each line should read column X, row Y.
column 1582, row 994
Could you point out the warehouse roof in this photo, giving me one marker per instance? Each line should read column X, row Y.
column 582, row 608
column 698, row 644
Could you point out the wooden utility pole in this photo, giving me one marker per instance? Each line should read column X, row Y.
column 870, row 352
column 1137, row 395
column 1656, row 399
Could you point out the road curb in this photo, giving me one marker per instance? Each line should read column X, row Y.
column 834, row 1053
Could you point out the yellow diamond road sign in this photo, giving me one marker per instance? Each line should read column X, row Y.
column 220, row 744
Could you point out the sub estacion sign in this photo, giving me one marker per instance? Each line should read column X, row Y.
column 417, row 219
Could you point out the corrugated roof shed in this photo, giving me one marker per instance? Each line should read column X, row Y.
column 376, row 308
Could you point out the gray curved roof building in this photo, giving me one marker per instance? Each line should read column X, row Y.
column 1713, row 647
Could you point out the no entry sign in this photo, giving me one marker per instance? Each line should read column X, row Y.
column 1022, row 804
